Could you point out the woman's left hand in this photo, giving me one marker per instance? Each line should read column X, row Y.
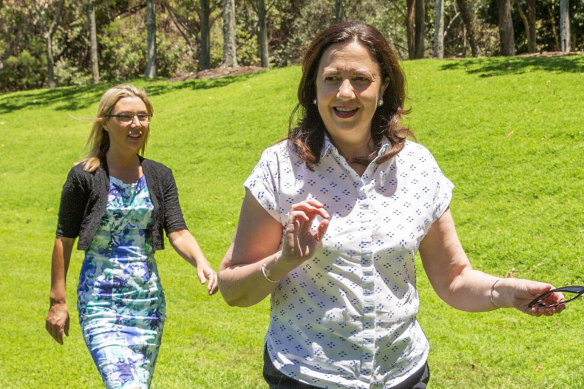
column 205, row 272
column 522, row 292
column 186, row 245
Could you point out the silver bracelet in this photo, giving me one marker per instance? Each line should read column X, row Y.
column 492, row 289
column 263, row 267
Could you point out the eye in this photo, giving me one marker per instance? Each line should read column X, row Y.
column 142, row 116
column 125, row 117
column 331, row 79
column 362, row 79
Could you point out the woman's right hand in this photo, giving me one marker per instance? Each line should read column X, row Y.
column 300, row 243
column 57, row 322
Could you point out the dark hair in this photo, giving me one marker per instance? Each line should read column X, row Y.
column 308, row 133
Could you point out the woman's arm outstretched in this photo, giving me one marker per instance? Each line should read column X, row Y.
column 57, row 321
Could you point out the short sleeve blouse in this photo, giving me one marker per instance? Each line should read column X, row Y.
column 347, row 317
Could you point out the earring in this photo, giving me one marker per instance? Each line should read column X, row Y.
column 380, row 103
column 314, row 101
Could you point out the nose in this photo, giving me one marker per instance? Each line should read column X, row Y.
column 135, row 120
column 346, row 90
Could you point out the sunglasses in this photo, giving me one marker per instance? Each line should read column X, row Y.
column 570, row 292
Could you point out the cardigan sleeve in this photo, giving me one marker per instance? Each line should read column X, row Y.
column 71, row 208
column 173, row 217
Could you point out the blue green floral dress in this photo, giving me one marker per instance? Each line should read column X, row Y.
column 120, row 300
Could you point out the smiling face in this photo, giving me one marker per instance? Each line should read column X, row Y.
column 348, row 88
column 127, row 137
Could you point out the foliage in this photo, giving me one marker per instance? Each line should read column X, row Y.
column 548, row 22
column 493, row 125
column 291, row 25
column 25, row 71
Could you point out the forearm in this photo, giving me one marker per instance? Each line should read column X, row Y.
column 471, row 291
column 244, row 284
column 59, row 267
column 185, row 244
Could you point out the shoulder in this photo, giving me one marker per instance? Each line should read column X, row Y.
column 157, row 168
column 415, row 152
column 282, row 152
column 280, row 148
column 78, row 173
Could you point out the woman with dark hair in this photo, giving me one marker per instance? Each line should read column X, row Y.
column 330, row 224
column 118, row 204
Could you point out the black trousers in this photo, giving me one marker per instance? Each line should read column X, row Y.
column 277, row 380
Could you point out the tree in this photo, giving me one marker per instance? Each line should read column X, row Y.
column 439, row 29
column 187, row 28
column 565, row 25
column 468, row 17
column 338, row 11
column 93, row 41
column 229, row 45
column 420, row 28
column 48, row 35
column 263, row 33
column 410, row 30
column 531, row 36
column 150, row 40
column 205, row 59
column 506, row 32
column 527, row 23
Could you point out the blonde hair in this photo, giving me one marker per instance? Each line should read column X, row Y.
column 98, row 142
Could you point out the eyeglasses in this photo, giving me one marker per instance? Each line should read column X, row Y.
column 570, row 292
column 127, row 118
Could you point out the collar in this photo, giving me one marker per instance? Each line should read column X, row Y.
column 328, row 147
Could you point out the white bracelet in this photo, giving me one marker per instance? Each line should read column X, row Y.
column 263, row 267
column 492, row 289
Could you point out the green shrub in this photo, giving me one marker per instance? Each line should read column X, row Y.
column 24, row 71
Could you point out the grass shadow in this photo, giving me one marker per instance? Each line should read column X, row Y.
column 158, row 88
column 69, row 98
column 500, row 66
column 73, row 98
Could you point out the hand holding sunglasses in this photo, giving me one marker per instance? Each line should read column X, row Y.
column 570, row 293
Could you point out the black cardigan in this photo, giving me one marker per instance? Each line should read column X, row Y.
column 84, row 200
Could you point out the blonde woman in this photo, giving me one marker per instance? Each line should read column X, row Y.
column 118, row 204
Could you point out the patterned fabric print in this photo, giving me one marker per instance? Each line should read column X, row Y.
column 120, row 300
column 347, row 317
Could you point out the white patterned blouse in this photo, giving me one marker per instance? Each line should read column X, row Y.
column 347, row 317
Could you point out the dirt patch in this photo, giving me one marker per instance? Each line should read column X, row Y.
column 217, row 73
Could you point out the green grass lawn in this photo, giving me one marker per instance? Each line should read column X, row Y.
column 507, row 131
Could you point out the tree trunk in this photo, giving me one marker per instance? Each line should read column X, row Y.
column 554, row 30
column 420, row 28
column 565, row 26
column 410, row 31
column 229, row 45
column 150, row 39
column 439, row 29
column 468, row 17
column 338, row 11
column 531, row 19
column 93, row 42
column 50, row 61
column 506, row 33
column 525, row 22
column 48, row 34
column 205, row 60
column 263, row 34
column 464, row 41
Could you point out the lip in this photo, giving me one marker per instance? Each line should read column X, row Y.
column 135, row 136
column 345, row 111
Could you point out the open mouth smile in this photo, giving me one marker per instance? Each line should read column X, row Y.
column 345, row 112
